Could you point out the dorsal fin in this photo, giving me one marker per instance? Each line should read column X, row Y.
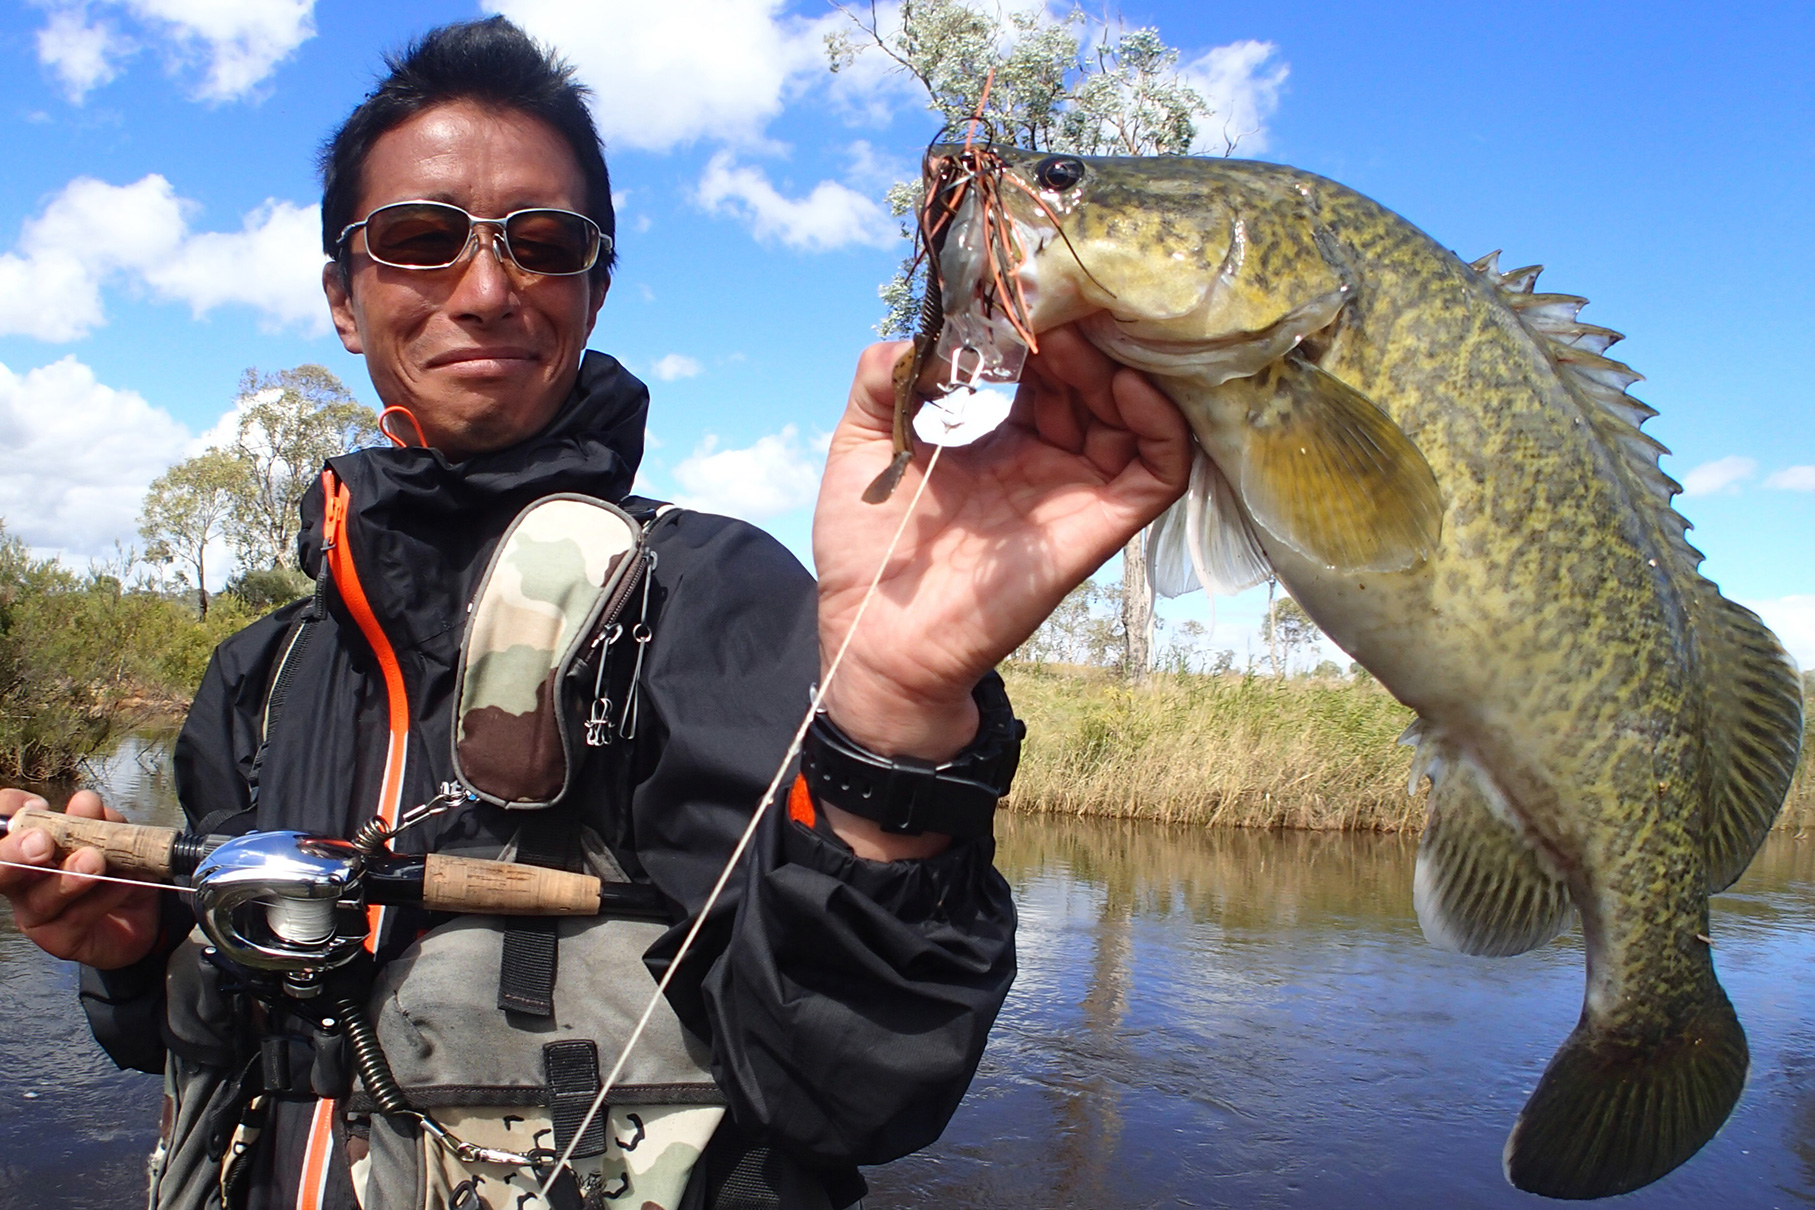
column 1754, row 695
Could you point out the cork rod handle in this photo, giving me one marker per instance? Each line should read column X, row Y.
column 132, row 850
column 469, row 884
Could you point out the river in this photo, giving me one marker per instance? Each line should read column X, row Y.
column 1201, row 1019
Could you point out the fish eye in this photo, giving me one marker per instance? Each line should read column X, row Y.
column 1059, row 172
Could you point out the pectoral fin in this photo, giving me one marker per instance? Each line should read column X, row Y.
column 1329, row 474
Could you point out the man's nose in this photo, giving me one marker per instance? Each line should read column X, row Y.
column 485, row 289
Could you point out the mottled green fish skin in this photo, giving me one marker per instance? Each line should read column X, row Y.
column 1553, row 637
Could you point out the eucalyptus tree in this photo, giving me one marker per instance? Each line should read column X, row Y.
column 186, row 510
column 290, row 423
column 1045, row 83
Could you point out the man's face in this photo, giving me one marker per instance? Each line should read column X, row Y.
column 481, row 352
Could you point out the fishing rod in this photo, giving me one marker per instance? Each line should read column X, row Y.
column 279, row 901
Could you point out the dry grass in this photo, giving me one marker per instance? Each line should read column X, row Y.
column 1232, row 751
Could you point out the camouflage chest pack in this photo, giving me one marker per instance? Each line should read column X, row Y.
column 551, row 599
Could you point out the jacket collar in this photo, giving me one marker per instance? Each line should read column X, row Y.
column 419, row 523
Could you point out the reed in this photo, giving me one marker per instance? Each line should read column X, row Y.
column 1232, row 751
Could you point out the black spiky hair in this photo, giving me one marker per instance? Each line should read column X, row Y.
column 490, row 62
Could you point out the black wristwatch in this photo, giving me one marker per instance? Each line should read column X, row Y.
column 911, row 796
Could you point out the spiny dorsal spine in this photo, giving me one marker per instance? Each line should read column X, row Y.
column 1576, row 349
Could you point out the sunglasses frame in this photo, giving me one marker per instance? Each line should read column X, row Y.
column 601, row 248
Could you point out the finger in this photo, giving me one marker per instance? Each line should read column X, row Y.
column 88, row 805
column 50, row 897
column 1058, row 417
column 79, row 919
column 1159, row 467
column 30, row 847
column 13, row 801
column 1066, row 357
column 872, row 403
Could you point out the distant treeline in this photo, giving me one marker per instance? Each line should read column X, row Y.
column 86, row 656
column 1227, row 749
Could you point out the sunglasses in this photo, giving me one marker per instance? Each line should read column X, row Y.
column 434, row 235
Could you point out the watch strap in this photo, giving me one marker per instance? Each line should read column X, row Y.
column 907, row 795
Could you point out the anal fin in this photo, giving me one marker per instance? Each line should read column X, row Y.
column 1329, row 474
column 1480, row 887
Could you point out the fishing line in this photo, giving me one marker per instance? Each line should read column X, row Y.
column 743, row 842
column 155, row 886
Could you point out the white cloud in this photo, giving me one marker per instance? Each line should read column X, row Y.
column 237, row 42
column 93, row 232
column 1793, row 619
column 272, row 264
column 1242, row 83
column 1718, row 475
column 243, row 40
column 673, row 366
column 668, row 74
column 1794, row 479
column 76, row 457
column 80, row 54
column 769, row 477
column 830, row 216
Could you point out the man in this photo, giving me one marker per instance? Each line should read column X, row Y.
column 846, row 983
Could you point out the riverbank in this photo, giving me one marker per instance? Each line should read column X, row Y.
column 1234, row 751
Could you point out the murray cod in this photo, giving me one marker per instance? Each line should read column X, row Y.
column 1443, row 469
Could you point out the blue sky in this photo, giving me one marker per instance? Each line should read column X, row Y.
column 156, row 223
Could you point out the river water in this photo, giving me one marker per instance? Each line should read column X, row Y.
column 1201, row 1019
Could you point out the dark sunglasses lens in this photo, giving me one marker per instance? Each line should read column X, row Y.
column 551, row 241
column 417, row 235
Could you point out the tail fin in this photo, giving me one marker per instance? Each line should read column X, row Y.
column 1609, row 1116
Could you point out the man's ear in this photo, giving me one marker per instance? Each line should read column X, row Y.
column 340, row 306
column 600, row 289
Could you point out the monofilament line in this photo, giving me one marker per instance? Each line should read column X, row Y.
column 150, row 886
column 743, row 842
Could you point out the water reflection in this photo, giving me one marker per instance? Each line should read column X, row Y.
column 1202, row 1019
column 1253, row 1019
column 74, row 1130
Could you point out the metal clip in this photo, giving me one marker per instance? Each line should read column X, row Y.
column 471, row 1153
column 598, row 718
column 627, row 728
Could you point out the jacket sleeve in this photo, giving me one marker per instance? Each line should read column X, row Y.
column 214, row 754
column 847, row 1001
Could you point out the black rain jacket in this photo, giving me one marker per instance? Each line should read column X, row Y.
column 846, row 1001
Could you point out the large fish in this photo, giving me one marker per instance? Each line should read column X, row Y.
column 1442, row 467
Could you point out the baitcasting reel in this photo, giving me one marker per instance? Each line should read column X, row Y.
column 284, row 902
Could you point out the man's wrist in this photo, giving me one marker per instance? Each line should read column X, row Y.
column 906, row 795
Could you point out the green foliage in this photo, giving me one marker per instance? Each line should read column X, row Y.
column 1288, row 630
column 263, row 589
column 186, row 508
column 295, row 420
column 1053, row 85
column 83, row 657
column 1230, row 750
column 1086, row 629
